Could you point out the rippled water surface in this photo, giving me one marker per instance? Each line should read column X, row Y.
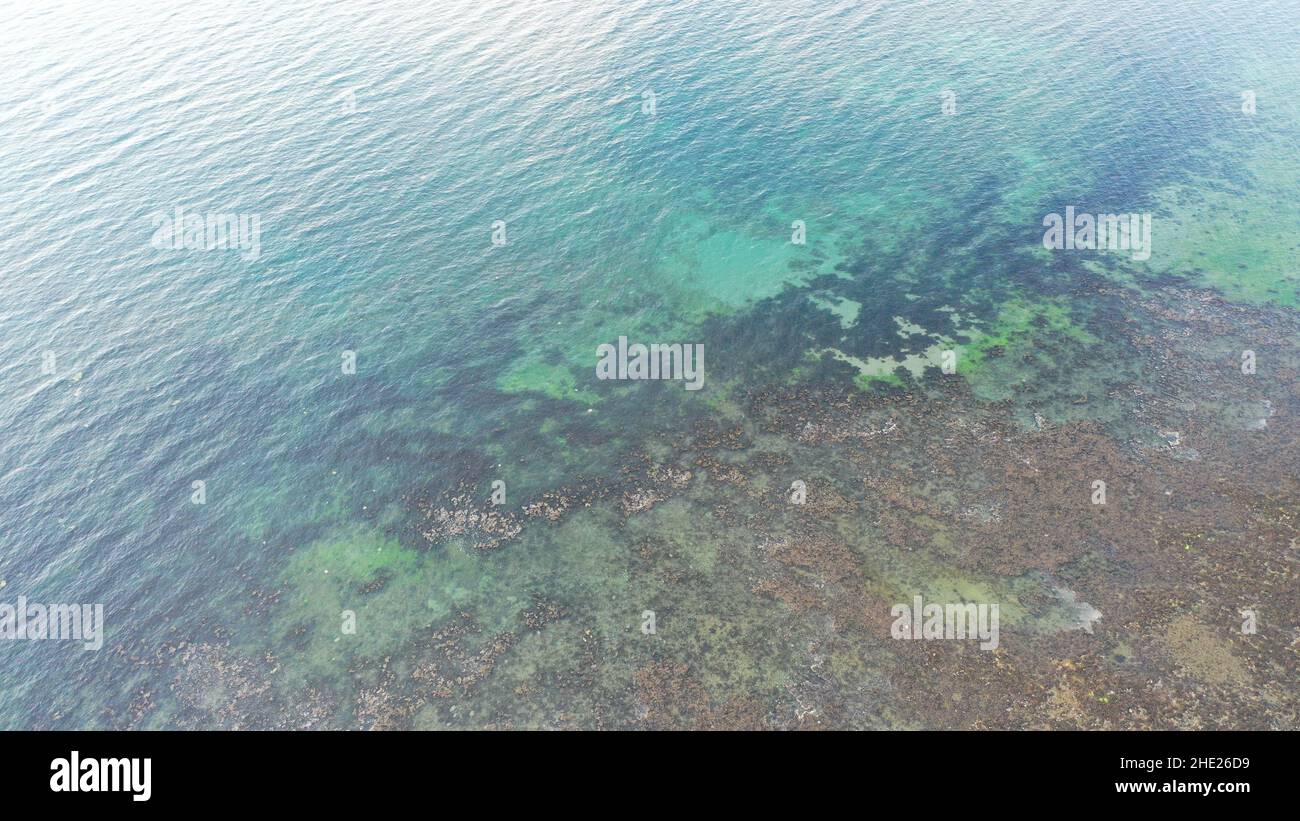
column 647, row 161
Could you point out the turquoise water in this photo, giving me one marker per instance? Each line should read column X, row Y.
column 379, row 142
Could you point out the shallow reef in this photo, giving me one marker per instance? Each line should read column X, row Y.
column 691, row 590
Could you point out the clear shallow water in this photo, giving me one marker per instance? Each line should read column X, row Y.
column 475, row 361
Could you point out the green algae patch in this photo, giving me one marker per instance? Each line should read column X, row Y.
column 1031, row 602
column 726, row 656
column 352, row 593
column 998, row 356
column 961, row 590
column 720, row 397
column 353, row 555
column 537, row 376
column 865, row 381
column 691, row 537
column 586, row 548
column 1014, row 329
column 992, row 360
column 357, row 595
